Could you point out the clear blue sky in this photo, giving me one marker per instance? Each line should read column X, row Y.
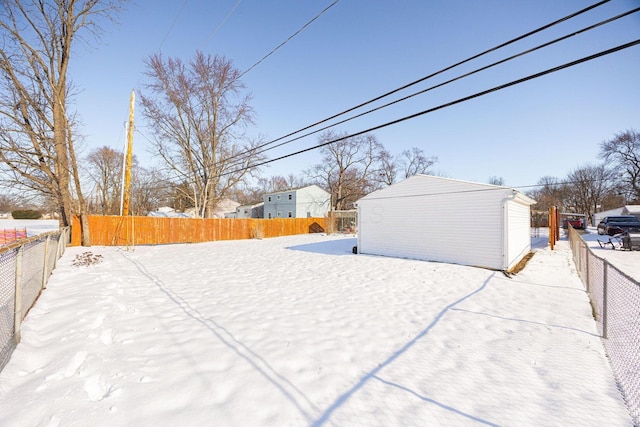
column 360, row 49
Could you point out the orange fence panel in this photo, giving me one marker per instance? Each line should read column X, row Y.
column 144, row 230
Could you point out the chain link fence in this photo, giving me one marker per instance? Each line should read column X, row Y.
column 615, row 301
column 345, row 222
column 25, row 267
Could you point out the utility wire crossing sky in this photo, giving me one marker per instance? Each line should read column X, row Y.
column 536, row 127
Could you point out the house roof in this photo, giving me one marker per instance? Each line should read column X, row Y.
column 295, row 189
column 253, row 205
column 632, row 209
column 466, row 186
column 627, row 209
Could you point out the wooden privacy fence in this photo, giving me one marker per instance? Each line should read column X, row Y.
column 145, row 230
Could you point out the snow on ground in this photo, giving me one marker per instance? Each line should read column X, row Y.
column 627, row 261
column 299, row 331
column 33, row 226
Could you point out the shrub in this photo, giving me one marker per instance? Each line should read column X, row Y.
column 87, row 259
column 26, row 214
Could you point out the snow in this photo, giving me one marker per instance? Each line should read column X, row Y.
column 33, row 226
column 627, row 261
column 299, row 331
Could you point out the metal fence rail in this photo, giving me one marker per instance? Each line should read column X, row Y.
column 615, row 299
column 25, row 267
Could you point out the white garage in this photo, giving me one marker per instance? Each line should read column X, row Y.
column 446, row 220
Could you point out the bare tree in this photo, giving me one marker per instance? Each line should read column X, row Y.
column 623, row 153
column 414, row 162
column 198, row 115
column 149, row 190
column 36, row 125
column 388, row 168
column 104, row 167
column 405, row 165
column 496, row 180
column 8, row 203
column 587, row 186
column 550, row 191
column 348, row 167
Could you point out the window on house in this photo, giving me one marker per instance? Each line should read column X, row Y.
column 290, row 214
column 269, row 198
column 290, row 196
column 278, row 197
column 269, row 215
column 279, row 214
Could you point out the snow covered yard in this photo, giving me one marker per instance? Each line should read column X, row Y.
column 627, row 261
column 298, row 331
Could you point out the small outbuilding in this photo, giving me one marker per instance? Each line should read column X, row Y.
column 447, row 220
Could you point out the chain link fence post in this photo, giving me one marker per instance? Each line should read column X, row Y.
column 17, row 312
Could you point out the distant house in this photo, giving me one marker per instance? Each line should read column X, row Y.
column 306, row 202
column 167, row 212
column 446, row 220
column 223, row 207
column 247, row 211
column 631, row 210
column 624, row 210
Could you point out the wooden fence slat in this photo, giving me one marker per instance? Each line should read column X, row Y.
column 143, row 230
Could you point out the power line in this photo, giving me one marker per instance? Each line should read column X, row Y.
column 488, row 187
column 429, row 76
column 288, row 39
column 267, row 55
column 184, row 3
column 433, row 74
column 449, row 104
column 222, row 22
column 525, row 52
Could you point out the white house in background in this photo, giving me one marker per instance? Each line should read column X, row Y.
column 247, row 211
column 446, row 220
column 224, row 206
column 598, row 216
column 631, row 210
column 167, row 212
column 625, row 210
column 306, row 202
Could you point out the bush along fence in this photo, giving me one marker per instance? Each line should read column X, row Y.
column 146, row 230
column 25, row 267
column 615, row 300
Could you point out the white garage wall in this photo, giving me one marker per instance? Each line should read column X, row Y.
column 519, row 231
column 435, row 219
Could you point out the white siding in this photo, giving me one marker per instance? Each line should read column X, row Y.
column 439, row 219
column 518, row 227
column 311, row 201
column 302, row 202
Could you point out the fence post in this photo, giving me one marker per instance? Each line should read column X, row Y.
column 17, row 316
column 45, row 269
column 604, row 299
column 587, row 266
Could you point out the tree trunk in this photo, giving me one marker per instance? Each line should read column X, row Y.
column 84, row 228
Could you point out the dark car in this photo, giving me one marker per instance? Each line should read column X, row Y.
column 613, row 225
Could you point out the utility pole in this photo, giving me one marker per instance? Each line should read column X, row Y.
column 129, row 159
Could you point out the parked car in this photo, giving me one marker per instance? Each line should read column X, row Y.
column 578, row 224
column 613, row 225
